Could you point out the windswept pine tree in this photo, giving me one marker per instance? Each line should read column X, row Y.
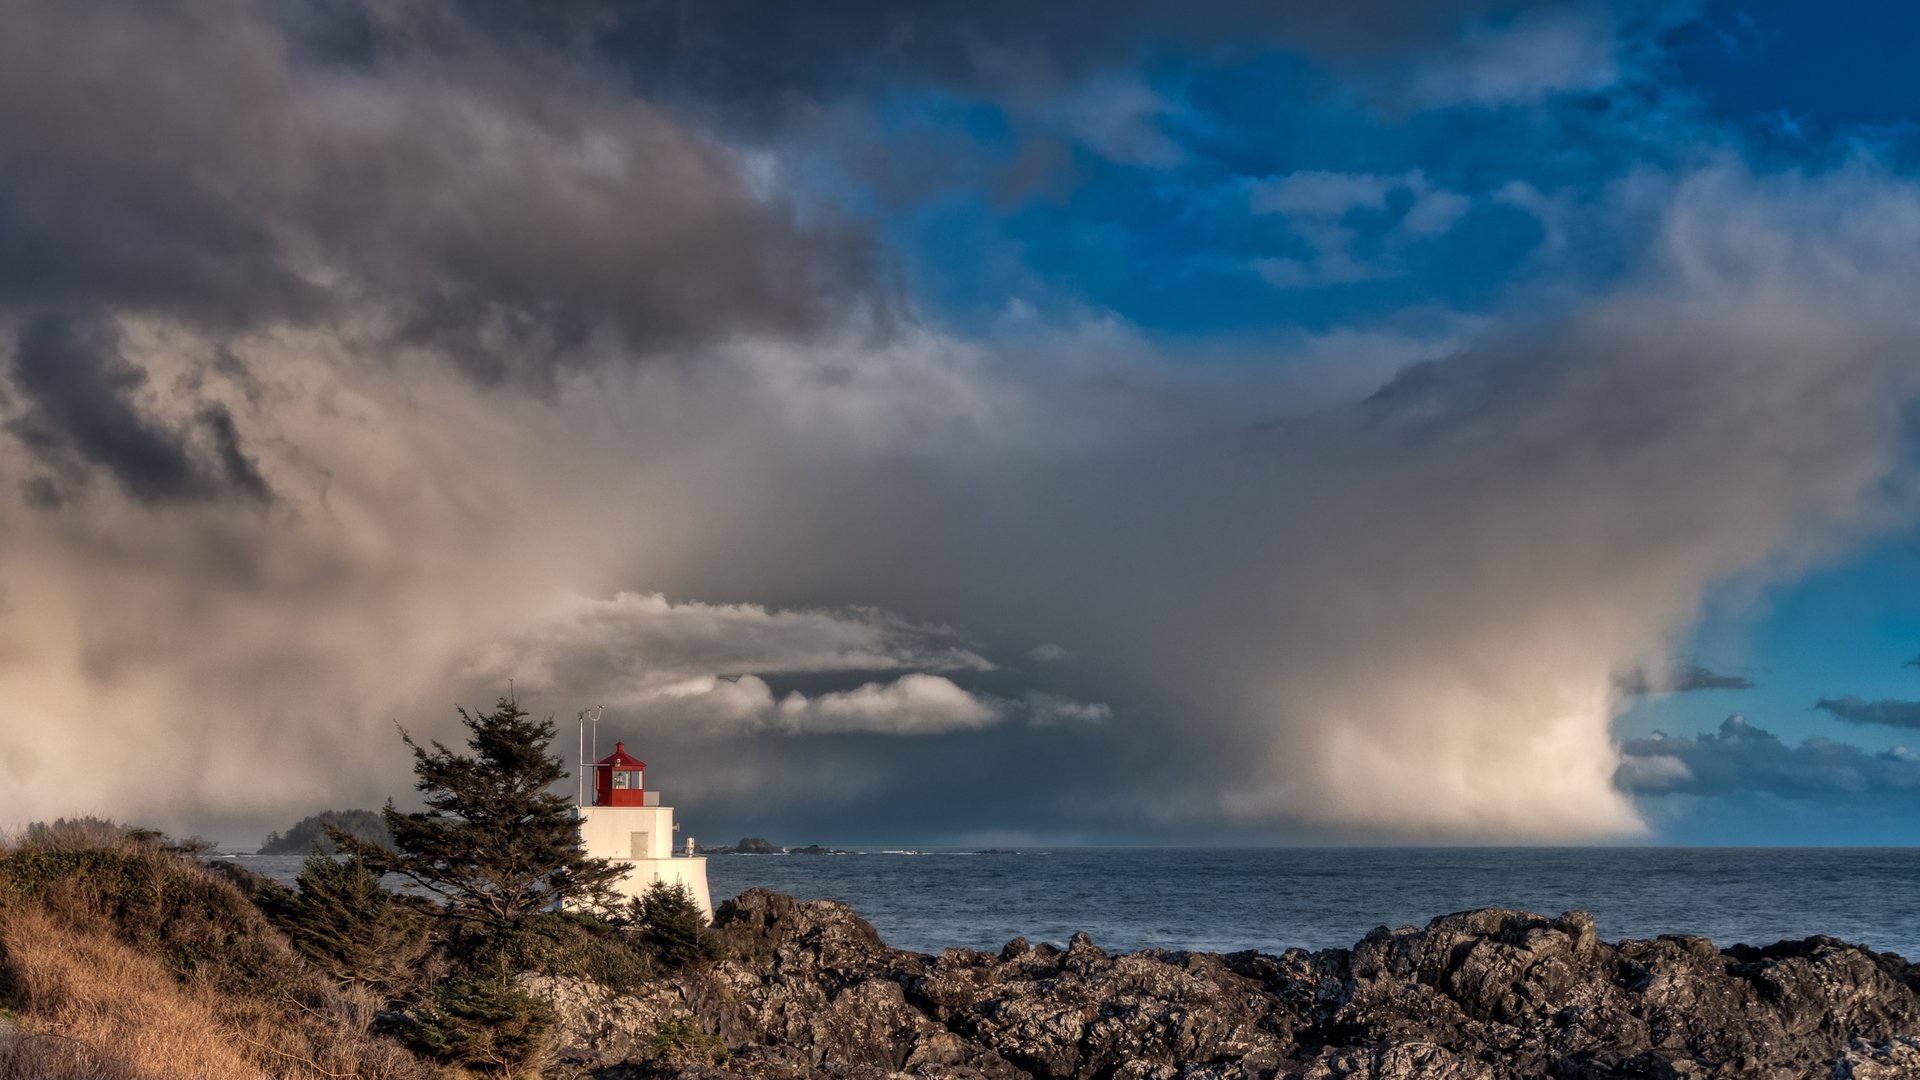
column 342, row 921
column 495, row 843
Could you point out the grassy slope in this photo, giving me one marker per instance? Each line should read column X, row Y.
column 122, row 960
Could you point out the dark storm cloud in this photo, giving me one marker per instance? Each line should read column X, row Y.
column 1857, row 710
column 758, row 61
column 1684, row 679
column 239, row 470
column 1695, row 677
column 479, row 194
column 1741, row 758
column 79, row 395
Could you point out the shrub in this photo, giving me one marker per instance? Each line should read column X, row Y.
column 576, row 945
column 162, row 903
column 672, row 926
column 347, row 926
column 482, row 1022
column 131, row 952
column 80, row 832
column 680, row 1041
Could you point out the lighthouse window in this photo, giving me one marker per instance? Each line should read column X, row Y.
column 621, row 778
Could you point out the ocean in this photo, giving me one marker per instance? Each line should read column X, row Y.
column 1271, row 899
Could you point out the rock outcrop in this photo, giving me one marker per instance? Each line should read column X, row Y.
column 810, row 990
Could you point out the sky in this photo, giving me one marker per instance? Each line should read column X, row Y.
column 1201, row 423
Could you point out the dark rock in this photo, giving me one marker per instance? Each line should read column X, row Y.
column 1895, row 1059
column 753, row 845
column 749, row 845
column 809, row 990
column 246, row 880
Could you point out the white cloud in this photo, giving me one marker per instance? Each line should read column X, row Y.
column 638, row 645
column 1743, row 759
column 1119, row 118
column 1652, row 772
column 914, row 704
column 1044, row 710
column 1556, row 49
column 910, row 705
column 1436, row 211
column 1316, row 204
column 1317, row 193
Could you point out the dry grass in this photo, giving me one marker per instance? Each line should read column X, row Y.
column 92, row 1006
column 128, row 962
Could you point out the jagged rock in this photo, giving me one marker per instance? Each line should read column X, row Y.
column 1401, row 1061
column 1895, row 1059
column 809, row 990
column 599, row 1026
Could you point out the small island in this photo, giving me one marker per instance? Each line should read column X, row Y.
column 310, row 832
column 754, row 845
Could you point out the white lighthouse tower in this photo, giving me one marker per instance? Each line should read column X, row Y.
column 627, row 825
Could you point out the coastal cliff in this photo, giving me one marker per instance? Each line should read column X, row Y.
column 810, row 990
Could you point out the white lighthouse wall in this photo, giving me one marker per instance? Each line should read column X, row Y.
column 691, row 872
column 608, row 832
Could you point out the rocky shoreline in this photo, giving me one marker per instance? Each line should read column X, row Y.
column 810, row 990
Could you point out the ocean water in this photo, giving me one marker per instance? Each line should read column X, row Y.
column 1221, row 900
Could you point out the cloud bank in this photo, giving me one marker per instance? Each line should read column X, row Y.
column 1683, row 679
column 1858, row 710
column 345, row 384
column 1740, row 758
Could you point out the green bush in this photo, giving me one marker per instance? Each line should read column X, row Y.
column 79, row 832
column 91, row 878
column 482, row 1022
column 671, row 924
column 162, row 903
column 343, row 923
column 680, row 1041
column 576, row 945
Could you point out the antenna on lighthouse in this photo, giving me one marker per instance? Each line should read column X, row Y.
column 593, row 714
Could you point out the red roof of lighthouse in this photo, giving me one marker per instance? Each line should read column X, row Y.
column 620, row 759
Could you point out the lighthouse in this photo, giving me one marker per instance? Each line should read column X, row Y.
column 627, row 826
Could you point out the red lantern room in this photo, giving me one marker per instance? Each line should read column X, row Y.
column 618, row 779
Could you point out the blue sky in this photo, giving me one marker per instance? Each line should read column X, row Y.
column 1268, row 193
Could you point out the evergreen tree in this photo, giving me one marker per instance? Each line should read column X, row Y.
column 483, row 1022
column 346, row 925
column 494, row 842
column 671, row 924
